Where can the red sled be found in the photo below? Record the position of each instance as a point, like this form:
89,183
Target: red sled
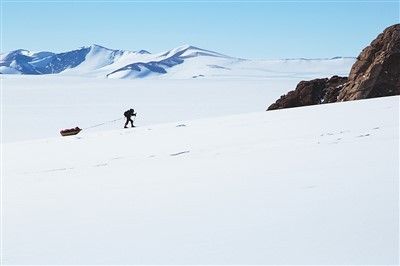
70,132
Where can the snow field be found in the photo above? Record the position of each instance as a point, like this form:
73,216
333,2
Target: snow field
312,185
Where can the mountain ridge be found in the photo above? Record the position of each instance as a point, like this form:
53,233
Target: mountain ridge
98,61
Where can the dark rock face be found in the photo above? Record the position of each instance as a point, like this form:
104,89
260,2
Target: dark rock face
311,92
333,88
376,72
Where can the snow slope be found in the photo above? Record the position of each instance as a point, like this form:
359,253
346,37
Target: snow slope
182,62
312,185
38,106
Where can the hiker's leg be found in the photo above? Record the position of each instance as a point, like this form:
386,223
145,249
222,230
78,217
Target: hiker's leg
131,122
127,121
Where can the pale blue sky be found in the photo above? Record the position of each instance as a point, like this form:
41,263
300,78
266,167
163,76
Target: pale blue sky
248,29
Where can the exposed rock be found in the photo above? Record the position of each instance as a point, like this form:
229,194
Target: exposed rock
311,92
376,72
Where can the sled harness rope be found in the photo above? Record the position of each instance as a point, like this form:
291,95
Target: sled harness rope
107,122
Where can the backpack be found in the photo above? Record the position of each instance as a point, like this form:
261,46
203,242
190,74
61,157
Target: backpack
129,113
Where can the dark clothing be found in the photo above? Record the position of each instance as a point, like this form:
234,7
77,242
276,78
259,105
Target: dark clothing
128,119
128,114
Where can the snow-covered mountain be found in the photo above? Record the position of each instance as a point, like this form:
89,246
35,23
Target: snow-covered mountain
99,60
26,62
181,62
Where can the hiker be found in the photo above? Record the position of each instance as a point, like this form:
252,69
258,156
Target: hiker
128,114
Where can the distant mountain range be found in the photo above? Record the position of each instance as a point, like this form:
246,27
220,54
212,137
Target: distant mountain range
182,62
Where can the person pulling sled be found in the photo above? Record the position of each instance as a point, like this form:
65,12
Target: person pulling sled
128,114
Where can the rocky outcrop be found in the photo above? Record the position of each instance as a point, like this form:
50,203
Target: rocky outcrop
376,73
311,92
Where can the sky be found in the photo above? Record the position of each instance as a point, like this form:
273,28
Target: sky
248,29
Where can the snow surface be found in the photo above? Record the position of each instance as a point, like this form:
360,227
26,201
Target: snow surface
98,57
9,70
312,185
207,177
38,106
